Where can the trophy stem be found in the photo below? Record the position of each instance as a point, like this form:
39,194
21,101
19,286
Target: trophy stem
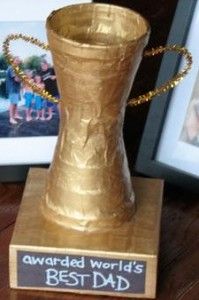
89,185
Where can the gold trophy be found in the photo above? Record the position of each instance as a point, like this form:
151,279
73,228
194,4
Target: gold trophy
84,225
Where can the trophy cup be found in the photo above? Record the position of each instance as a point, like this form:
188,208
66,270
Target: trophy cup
84,225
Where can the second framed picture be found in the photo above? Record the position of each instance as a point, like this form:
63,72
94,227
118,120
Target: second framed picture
170,144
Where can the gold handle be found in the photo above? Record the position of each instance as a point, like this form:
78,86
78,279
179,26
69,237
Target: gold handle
171,83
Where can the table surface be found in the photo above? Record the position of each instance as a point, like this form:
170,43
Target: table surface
178,271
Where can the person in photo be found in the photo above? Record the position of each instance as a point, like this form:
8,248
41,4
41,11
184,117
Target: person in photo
13,87
191,127
38,100
28,96
49,79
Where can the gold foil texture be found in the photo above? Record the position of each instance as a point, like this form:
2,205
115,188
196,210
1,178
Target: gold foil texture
96,50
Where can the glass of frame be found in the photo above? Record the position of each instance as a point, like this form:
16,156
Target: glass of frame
169,147
31,139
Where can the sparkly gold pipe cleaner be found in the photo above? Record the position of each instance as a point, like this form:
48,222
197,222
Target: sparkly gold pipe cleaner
171,83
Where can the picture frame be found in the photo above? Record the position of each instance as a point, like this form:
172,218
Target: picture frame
164,150
19,152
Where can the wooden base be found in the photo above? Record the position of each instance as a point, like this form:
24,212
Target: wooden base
121,262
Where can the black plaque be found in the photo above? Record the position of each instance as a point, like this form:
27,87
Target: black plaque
78,272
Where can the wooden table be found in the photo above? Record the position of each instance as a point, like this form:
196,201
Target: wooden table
178,275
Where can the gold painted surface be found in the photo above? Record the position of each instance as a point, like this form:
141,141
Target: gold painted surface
136,240
96,51
139,236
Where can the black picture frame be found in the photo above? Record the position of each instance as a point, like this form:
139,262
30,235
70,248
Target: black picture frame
146,163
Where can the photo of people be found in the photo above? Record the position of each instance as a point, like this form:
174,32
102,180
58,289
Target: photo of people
190,131
23,112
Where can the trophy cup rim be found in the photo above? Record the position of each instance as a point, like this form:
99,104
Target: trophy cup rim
75,43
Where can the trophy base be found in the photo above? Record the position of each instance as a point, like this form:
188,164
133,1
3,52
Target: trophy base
120,262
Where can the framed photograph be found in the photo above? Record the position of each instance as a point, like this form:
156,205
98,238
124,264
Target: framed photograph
169,147
28,124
